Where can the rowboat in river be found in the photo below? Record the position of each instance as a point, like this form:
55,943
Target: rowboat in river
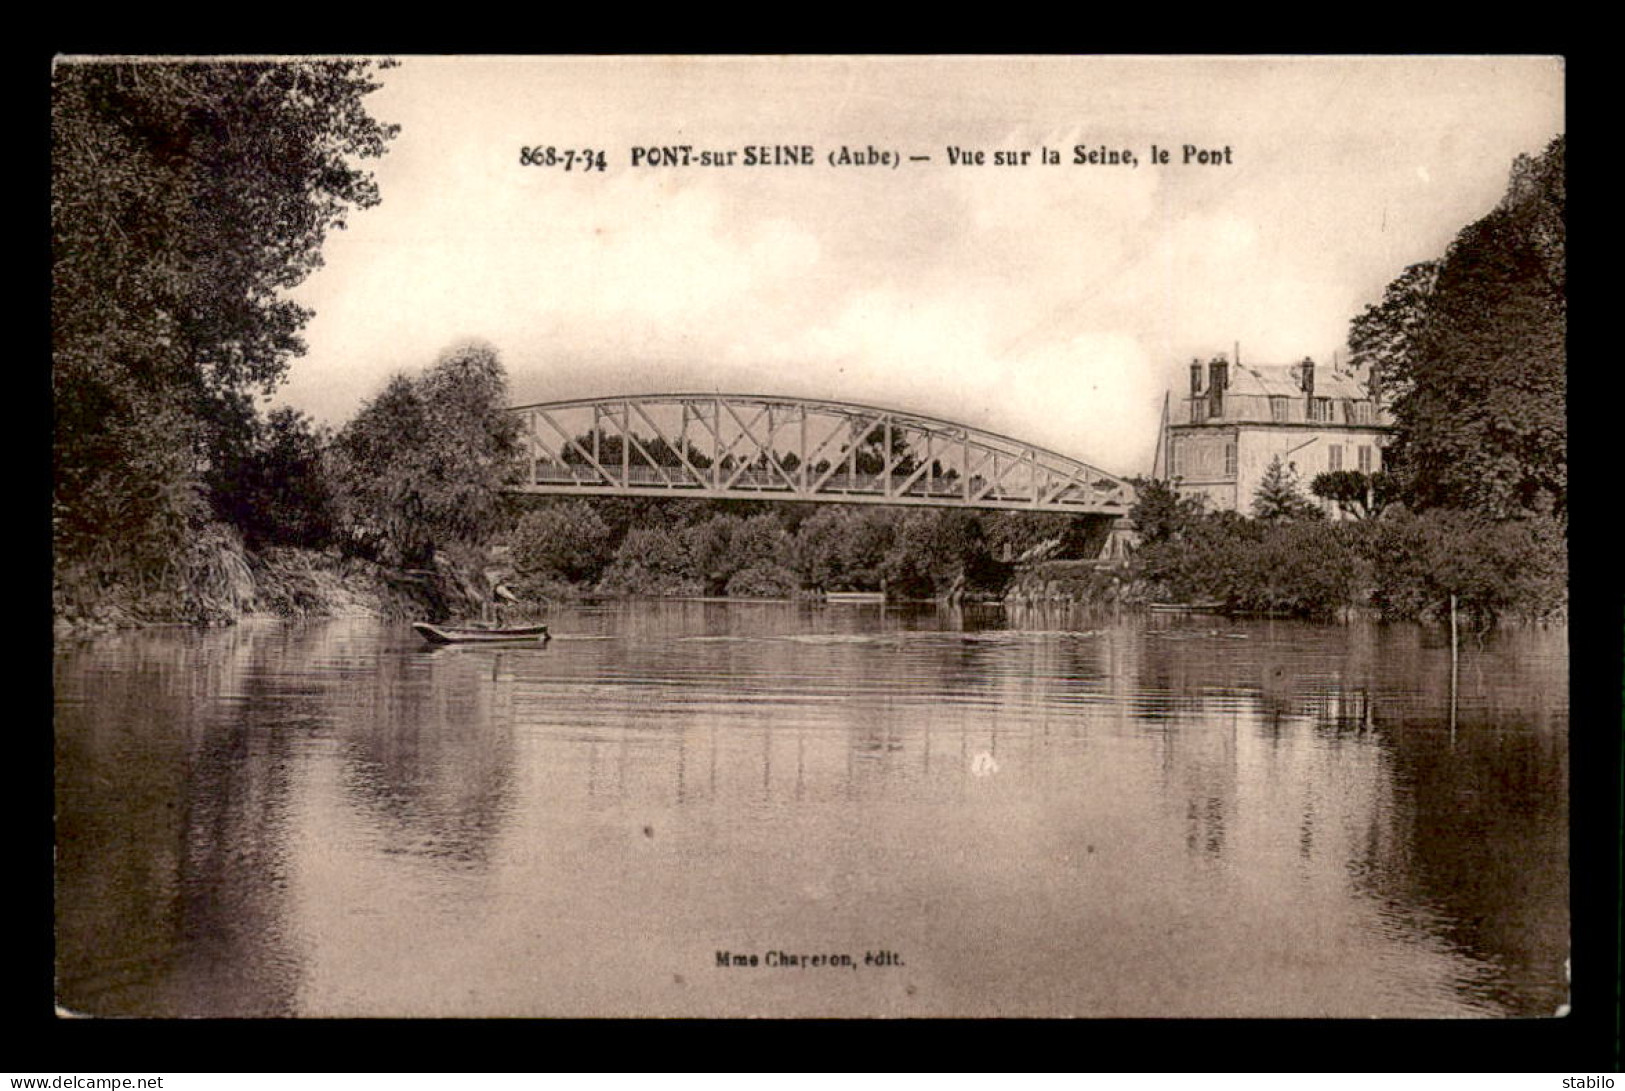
450,634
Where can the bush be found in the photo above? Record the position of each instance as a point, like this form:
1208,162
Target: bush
762,580
725,545
1494,569
941,553
841,548
1303,567
562,542
651,562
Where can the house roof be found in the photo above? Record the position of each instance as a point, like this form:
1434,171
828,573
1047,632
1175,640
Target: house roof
1281,381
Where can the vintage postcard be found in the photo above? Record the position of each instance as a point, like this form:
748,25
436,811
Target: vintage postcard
822,536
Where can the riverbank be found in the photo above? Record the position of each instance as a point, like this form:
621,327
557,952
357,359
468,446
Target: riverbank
222,583
219,582
1075,583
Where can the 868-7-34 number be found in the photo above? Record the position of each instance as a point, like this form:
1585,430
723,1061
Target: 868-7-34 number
568,158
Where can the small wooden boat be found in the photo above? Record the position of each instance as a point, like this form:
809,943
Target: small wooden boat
854,596
450,634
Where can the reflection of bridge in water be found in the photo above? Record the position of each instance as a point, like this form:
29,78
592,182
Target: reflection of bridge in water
754,447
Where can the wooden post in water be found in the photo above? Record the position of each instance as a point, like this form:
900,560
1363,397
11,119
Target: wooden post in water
1454,656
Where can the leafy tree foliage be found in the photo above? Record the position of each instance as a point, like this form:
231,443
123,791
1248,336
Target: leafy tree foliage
1160,512
424,464
1474,363
724,546
569,542
1385,339
1493,568
1404,565
870,455
1278,497
1299,568
274,485
1017,535
651,561
939,553
186,198
1361,495
138,518
642,451
841,548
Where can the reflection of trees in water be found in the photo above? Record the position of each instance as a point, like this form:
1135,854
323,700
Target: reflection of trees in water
1461,834
171,826
238,960
429,748
1483,821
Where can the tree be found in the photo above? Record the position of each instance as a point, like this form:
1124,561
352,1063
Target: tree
1475,367
1160,513
725,545
1491,568
1023,535
186,199
563,542
274,488
652,561
938,552
424,465
1361,495
870,456
1385,339
1278,498
840,548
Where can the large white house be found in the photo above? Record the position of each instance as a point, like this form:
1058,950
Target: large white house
1221,440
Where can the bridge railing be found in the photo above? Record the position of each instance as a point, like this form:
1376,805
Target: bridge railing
898,484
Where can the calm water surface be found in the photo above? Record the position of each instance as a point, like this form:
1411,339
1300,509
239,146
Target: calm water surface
1019,814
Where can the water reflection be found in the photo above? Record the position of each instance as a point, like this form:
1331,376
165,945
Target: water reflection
171,822
1046,813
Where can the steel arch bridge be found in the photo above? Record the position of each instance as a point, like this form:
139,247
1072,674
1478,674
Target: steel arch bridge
758,447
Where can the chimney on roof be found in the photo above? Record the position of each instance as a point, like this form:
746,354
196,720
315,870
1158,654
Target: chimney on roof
1218,378
1307,369
1196,377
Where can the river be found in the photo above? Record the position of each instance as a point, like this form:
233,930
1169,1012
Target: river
773,809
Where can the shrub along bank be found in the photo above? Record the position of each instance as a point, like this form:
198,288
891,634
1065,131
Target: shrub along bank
772,550
1402,566
220,581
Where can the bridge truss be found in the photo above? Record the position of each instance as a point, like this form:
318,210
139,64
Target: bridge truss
739,446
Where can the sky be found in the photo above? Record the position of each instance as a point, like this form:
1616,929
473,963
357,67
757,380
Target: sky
1056,303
